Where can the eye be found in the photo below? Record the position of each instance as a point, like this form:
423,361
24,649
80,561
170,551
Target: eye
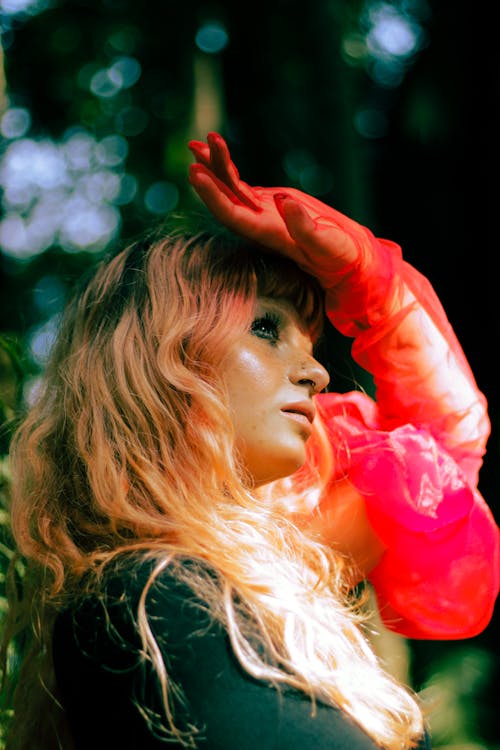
267,327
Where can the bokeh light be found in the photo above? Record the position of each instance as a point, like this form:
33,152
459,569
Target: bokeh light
42,338
15,122
161,197
211,38
63,193
123,73
18,7
389,38
302,167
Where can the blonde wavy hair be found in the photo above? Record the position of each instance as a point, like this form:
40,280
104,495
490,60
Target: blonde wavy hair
129,447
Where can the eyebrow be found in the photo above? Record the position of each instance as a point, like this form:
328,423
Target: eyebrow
283,306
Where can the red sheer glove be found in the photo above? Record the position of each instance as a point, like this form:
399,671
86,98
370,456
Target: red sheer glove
338,251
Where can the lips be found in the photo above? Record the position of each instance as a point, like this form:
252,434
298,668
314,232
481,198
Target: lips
302,408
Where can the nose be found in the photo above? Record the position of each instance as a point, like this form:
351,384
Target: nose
311,373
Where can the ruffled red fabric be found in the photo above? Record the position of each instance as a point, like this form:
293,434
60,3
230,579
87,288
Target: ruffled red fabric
414,452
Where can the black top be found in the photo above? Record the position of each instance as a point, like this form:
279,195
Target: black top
100,673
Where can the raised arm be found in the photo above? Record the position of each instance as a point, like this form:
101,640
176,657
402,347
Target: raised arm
402,335
406,467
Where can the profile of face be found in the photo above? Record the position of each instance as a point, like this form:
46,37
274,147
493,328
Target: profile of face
271,376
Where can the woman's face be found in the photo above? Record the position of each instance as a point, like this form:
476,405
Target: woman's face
271,376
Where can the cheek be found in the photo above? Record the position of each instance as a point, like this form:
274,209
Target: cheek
249,379
253,384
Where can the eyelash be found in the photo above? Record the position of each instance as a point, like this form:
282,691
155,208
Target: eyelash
272,324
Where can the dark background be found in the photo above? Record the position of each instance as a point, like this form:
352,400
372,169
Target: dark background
404,142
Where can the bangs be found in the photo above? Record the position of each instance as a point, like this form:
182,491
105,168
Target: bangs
278,277
226,266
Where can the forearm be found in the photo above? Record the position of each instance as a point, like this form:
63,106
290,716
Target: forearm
340,520
403,338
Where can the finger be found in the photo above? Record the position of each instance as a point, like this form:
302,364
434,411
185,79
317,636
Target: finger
326,247
225,169
209,186
222,165
317,209
263,225
200,151
293,212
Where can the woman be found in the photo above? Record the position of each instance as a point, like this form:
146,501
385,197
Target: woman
195,511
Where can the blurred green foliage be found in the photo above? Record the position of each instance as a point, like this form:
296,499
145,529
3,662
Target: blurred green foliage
360,102
12,375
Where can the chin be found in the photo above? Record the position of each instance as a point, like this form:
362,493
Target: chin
281,468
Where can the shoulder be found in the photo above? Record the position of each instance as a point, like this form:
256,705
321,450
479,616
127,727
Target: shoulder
105,623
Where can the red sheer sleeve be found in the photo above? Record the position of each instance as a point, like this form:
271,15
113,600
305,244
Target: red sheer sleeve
415,453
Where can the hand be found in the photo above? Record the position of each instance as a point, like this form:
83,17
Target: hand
321,240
